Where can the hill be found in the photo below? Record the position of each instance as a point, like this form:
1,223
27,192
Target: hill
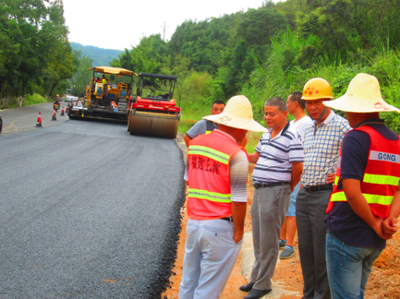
98,55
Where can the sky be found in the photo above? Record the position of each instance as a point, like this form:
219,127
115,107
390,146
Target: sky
120,24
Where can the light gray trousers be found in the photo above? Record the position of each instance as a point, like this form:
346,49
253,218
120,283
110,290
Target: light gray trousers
268,212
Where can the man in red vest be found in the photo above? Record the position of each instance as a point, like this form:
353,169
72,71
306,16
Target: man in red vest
365,202
216,173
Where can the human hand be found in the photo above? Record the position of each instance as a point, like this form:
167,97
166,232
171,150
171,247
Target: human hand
378,228
330,178
389,226
237,236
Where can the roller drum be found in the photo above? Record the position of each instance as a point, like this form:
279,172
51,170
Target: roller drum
153,126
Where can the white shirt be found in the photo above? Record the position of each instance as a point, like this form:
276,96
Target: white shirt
301,125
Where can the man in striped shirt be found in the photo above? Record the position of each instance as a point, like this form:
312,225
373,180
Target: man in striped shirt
279,157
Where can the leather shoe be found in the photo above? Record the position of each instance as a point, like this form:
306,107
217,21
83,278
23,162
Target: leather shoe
256,294
247,288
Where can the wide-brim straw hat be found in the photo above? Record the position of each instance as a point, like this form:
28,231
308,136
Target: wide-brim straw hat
362,96
237,114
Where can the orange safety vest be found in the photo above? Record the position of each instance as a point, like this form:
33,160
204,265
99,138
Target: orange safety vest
381,175
209,194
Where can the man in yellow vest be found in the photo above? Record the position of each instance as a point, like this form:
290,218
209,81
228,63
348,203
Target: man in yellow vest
365,202
216,173
105,87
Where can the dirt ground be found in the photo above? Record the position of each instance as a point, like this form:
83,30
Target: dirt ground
384,281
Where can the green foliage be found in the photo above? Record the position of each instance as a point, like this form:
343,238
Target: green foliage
34,99
34,48
82,75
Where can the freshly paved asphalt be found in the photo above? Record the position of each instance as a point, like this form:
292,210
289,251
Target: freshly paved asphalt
87,211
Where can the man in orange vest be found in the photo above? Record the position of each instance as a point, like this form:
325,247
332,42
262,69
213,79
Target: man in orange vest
216,173
365,202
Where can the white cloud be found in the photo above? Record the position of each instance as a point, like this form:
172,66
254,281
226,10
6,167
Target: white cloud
118,24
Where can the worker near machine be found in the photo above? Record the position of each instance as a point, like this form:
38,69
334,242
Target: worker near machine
365,202
279,162
322,141
295,107
105,88
216,173
204,126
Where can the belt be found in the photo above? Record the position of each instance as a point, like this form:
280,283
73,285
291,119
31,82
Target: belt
318,188
230,219
266,185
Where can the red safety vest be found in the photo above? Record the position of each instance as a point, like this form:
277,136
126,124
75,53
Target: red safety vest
381,175
209,194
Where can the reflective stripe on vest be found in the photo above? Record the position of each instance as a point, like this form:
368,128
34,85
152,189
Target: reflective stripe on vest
208,132
381,176
208,176
210,153
381,179
212,196
370,198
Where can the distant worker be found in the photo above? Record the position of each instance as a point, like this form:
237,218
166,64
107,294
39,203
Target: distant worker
322,141
92,83
365,202
217,174
295,107
104,81
204,126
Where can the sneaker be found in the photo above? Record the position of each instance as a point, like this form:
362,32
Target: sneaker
286,253
282,243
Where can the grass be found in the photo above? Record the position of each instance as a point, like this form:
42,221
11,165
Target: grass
29,100
34,99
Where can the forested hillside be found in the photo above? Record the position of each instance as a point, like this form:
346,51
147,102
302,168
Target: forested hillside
276,49
98,55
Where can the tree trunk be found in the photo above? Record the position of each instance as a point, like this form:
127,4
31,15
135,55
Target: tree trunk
52,88
24,84
2,98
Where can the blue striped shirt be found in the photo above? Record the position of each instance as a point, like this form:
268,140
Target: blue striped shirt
277,155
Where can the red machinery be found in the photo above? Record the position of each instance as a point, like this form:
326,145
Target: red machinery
156,113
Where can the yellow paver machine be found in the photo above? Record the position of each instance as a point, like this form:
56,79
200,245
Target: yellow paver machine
105,100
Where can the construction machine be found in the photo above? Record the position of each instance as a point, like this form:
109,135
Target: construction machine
104,100
153,111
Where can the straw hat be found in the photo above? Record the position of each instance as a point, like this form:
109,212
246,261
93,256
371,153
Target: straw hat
237,114
362,96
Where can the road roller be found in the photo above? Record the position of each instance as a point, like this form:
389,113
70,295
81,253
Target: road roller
153,111
105,100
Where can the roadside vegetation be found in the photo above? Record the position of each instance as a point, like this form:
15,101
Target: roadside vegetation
275,50
264,52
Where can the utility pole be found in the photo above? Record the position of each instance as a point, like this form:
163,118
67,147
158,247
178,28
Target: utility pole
165,25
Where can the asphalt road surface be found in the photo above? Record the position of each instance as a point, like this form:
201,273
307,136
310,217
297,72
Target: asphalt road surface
24,119
88,211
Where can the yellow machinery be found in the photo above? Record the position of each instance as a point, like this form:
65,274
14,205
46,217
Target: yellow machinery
105,101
